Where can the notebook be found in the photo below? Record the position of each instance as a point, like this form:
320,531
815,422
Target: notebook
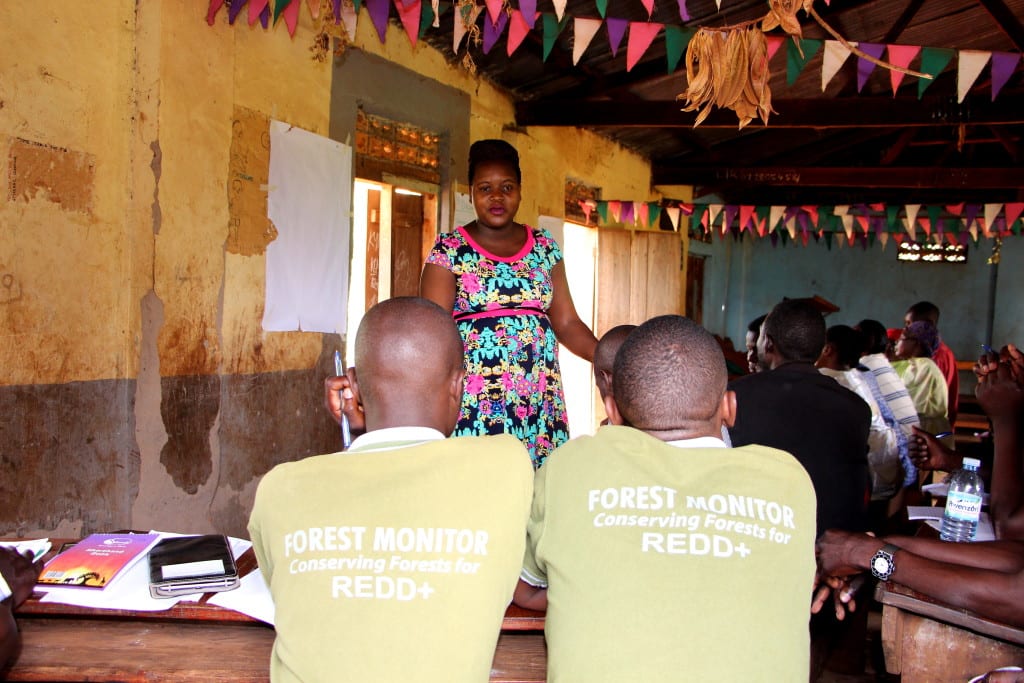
191,564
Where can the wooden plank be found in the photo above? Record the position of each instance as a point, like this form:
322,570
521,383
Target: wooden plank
520,658
904,598
613,263
821,176
664,255
638,264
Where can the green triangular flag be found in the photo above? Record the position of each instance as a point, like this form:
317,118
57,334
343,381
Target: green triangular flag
826,219
871,238
794,62
783,236
602,7
279,6
933,61
602,207
552,27
676,40
934,213
653,214
1016,226
427,16
892,218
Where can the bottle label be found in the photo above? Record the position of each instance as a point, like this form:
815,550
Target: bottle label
963,506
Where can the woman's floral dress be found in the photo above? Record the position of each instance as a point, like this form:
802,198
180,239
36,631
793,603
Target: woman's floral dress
513,384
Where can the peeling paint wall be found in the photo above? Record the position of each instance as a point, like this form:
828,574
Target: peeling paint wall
137,386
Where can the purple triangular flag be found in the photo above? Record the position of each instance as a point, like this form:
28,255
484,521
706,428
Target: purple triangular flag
1003,66
337,11
233,9
616,32
627,213
493,31
265,16
684,14
864,67
730,215
529,11
971,214
378,10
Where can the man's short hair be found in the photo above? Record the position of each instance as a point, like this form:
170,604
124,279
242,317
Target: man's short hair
876,338
925,310
797,330
668,373
608,346
848,344
755,324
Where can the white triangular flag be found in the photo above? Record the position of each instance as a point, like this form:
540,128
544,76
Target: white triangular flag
349,18
559,8
713,211
848,226
461,27
884,239
969,66
791,227
833,58
912,210
991,213
672,211
841,209
774,215
584,31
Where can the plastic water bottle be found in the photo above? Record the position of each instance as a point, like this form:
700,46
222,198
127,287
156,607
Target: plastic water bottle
963,504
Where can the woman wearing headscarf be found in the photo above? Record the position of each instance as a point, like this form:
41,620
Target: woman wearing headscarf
922,376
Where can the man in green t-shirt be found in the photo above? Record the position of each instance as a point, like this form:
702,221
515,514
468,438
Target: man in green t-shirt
396,559
661,554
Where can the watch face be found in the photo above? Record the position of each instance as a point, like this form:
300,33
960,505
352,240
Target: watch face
880,564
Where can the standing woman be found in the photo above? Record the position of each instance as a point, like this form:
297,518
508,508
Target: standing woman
506,287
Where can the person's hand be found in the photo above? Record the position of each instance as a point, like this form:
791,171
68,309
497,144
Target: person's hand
928,453
1000,388
339,399
842,589
842,553
20,573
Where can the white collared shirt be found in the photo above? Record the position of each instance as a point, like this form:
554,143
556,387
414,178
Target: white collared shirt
699,442
385,439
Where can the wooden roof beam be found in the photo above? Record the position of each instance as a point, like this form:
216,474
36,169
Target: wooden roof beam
1006,21
928,177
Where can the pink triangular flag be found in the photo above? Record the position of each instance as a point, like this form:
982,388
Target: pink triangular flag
211,11
378,10
833,58
559,9
255,7
585,205
643,213
409,13
615,210
812,211
673,216
969,66
616,31
291,17
863,220
314,8
774,43
1013,211
584,31
641,35
530,13
901,56
991,212
493,31
1003,66
746,211
649,6
684,13
461,26
518,27
493,9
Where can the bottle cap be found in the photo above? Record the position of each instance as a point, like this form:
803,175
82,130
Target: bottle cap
973,463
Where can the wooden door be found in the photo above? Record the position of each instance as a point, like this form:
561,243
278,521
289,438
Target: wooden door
638,277
695,288
406,243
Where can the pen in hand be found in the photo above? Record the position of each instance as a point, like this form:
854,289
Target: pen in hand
346,433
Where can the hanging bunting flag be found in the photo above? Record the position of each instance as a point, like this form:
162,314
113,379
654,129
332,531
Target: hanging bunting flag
901,56
812,211
291,16
933,61
643,217
676,40
584,31
714,210
529,11
884,239
587,206
653,214
791,227
465,17
552,27
877,206
649,6
278,7
435,6
684,13
841,209
602,7
761,218
832,59
211,11
378,10
1013,211
730,215
493,31
912,210
518,28
774,217
559,8
616,31
615,209
432,18
865,67
974,233
892,217
314,8
347,14
409,13
774,43
935,219
1003,66
602,211
234,7
847,221
795,62
265,17
969,66
673,217
746,212
718,4
991,211
955,209
493,9
336,6
641,35
626,212
256,7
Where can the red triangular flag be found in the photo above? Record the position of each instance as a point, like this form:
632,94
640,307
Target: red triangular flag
493,10
649,4
641,35
901,56
518,27
409,13
1013,211
255,7
211,11
774,43
291,16
746,212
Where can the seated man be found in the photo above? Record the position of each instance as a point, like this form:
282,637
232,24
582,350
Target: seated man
396,559
604,356
657,550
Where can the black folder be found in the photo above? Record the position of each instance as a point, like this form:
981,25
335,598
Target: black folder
191,564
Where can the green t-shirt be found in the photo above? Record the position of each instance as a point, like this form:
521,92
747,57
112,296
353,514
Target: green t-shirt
393,565
668,564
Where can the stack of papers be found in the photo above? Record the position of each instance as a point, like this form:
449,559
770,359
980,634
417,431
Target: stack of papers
941,490
932,516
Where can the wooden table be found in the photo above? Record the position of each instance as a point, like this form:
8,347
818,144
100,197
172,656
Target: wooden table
927,641
200,642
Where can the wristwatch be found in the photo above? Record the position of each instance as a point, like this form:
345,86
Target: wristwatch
882,563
